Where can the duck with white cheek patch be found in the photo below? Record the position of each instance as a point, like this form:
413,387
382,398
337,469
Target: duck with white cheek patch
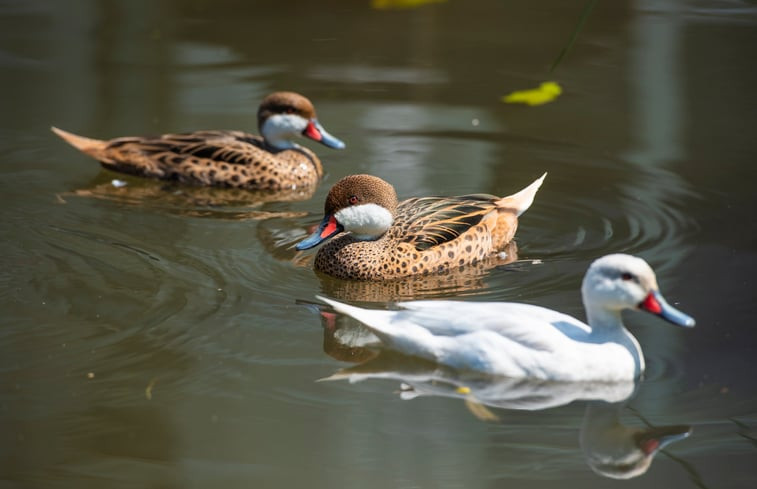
271,161
375,237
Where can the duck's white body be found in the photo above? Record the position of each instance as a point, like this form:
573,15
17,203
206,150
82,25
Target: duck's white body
513,340
526,341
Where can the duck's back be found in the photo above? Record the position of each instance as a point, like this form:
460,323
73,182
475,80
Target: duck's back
523,340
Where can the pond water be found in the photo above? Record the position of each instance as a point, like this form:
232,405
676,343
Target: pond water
163,336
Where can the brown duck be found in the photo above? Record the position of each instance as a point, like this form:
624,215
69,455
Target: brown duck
383,239
225,158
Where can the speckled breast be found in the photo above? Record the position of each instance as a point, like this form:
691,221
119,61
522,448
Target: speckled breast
386,258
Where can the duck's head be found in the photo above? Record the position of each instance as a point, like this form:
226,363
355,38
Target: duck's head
618,281
361,204
284,116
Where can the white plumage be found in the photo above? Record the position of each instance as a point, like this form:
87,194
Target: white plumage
526,341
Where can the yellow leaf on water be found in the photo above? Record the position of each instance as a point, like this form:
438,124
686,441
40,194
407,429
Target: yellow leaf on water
547,92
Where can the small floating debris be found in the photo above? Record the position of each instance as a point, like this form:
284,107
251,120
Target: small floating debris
118,183
545,93
148,389
479,410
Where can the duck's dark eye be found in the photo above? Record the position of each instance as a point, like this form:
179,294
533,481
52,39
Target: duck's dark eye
289,110
354,200
627,276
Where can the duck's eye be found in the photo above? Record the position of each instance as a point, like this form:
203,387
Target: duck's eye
289,110
354,200
627,276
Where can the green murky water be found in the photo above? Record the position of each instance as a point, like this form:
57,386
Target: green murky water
157,336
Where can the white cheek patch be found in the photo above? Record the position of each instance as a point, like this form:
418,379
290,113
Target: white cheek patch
280,129
366,221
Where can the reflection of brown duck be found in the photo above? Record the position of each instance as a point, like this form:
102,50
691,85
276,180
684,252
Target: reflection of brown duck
385,239
224,158
346,343
191,201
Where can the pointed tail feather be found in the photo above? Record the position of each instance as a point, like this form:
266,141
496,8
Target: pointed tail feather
92,147
521,201
368,317
352,311
402,336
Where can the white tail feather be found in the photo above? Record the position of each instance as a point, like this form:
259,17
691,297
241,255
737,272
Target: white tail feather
521,201
393,331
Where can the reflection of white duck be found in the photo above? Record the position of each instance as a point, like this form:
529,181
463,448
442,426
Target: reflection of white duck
618,451
421,378
526,341
610,448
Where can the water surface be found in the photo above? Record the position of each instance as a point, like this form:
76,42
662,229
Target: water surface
161,336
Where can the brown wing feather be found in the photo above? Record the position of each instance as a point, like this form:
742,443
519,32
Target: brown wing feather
218,158
431,221
233,147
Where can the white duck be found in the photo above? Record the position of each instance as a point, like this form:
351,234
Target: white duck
526,341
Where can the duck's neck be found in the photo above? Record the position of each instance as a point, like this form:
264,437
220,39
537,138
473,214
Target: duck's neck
603,320
607,325
282,144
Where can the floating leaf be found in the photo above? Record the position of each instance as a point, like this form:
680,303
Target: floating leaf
547,92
